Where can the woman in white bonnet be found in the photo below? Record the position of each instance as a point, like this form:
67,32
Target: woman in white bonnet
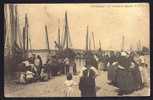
143,70
124,77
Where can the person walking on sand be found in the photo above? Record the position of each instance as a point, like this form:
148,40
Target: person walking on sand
69,86
67,65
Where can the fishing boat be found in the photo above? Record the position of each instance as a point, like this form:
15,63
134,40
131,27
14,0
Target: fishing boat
64,50
16,42
64,44
89,56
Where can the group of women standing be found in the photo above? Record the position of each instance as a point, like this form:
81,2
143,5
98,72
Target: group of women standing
128,73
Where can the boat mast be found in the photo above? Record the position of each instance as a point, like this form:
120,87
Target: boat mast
30,43
123,40
131,49
99,45
137,46
6,26
14,29
140,45
24,39
18,31
89,43
66,30
5,23
27,31
93,40
59,41
87,36
47,41
12,24
15,22
7,41
67,39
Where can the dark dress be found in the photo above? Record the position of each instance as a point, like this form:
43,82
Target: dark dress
40,66
126,77
87,84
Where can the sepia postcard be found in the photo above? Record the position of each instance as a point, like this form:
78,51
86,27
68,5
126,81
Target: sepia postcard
77,50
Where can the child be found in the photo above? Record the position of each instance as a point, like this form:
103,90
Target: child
22,78
69,86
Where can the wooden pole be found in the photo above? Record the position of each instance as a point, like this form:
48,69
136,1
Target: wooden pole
89,44
93,40
67,38
123,40
100,44
47,41
140,48
66,30
27,31
24,36
59,37
87,37
12,27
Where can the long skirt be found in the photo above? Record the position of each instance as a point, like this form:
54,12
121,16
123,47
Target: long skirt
112,73
137,77
69,92
101,66
125,80
144,74
88,93
66,69
71,70
109,73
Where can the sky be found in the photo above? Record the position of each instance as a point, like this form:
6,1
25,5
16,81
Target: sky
108,22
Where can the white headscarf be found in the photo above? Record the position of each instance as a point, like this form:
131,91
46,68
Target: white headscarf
26,63
30,55
123,53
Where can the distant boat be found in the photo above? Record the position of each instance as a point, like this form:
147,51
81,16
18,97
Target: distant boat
64,44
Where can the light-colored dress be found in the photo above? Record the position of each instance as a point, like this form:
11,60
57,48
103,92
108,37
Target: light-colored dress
69,88
37,62
143,70
71,69
29,75
22,78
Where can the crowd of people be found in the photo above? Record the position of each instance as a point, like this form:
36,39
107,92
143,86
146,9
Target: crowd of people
32,69
127,71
